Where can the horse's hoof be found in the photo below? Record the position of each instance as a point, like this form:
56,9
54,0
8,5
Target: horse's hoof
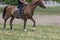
25,30
12,29
33,29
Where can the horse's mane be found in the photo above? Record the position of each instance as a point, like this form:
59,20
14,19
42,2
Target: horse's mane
31,3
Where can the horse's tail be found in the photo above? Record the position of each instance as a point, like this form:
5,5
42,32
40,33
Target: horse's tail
4,12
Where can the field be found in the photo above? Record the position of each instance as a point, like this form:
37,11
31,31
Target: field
1,9
47,11
42,32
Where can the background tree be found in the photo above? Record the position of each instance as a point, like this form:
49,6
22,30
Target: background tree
13,2
57,0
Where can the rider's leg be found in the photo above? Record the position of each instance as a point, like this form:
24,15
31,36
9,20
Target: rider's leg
21,11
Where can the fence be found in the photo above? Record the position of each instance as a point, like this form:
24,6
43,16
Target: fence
51,3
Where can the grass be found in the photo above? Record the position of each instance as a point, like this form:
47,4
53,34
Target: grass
41,33
1,9
48,11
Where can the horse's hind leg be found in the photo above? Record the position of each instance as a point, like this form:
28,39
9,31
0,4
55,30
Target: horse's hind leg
12,18
5,22
33,24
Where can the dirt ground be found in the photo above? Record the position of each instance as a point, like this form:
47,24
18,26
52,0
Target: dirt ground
40,20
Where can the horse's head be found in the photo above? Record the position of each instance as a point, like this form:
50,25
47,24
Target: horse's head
41,4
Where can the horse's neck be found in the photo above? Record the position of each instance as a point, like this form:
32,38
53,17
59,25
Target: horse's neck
34,5
30,7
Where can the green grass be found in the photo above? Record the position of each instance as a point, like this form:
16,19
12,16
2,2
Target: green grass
41,33
1,9
48,11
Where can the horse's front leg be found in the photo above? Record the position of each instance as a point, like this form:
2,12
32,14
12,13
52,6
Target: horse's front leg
25,20
11,22
33,24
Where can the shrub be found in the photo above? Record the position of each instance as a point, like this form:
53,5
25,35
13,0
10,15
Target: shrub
13,2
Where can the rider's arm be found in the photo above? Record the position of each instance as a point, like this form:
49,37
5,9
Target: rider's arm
23,1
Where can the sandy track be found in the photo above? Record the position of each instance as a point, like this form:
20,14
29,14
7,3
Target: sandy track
40,20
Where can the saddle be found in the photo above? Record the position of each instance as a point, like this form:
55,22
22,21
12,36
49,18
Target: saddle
19,13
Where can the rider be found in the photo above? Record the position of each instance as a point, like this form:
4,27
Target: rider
20,6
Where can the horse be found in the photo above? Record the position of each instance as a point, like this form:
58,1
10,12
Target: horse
28,12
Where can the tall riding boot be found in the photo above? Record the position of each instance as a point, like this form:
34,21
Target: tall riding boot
20,14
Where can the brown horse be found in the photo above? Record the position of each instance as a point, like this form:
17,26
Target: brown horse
27,14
